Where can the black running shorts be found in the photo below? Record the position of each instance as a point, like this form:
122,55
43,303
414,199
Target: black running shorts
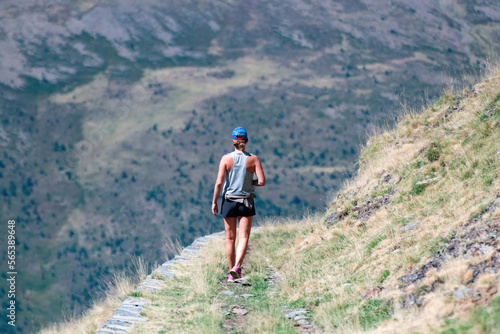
235,209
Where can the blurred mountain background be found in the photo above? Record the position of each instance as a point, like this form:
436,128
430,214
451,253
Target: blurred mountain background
114,115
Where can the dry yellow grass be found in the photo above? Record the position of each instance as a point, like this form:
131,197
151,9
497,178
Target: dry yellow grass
345,259
111,297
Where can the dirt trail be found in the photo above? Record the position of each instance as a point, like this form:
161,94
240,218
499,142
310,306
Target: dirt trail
236,313
235,322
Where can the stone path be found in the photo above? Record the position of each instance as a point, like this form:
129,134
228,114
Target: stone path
236,320
125,316
129,312
298,316
301,321
236,313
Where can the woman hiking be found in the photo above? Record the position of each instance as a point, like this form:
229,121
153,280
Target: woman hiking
237,169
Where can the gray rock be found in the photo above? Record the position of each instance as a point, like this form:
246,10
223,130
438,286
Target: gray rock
180,258
300,317
292,313
421,168
490,270
135,301
202,240
150,284
111,331
239,280
246,295
192,249
459,294
126,313
118,323
165,272
227,293
411,226
239,310
227,327
304,323
435,179
331,218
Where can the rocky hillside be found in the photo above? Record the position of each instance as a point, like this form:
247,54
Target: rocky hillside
114,115
410,245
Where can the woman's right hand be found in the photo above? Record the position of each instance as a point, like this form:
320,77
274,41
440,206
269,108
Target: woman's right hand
215,209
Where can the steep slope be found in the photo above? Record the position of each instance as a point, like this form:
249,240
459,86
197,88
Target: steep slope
411,244
114,114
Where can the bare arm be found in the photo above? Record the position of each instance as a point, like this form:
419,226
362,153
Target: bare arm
218,185
261,178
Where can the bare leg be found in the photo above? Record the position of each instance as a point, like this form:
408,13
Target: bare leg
243,236
230,226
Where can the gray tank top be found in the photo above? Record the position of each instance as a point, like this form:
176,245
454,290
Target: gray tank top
239,181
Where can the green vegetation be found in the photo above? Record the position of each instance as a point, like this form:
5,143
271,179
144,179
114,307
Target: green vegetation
384,276
374,243
374,312
481,320
382,192
432,152
417,189
136,294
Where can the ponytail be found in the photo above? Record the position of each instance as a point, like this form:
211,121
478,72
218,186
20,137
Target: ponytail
239,144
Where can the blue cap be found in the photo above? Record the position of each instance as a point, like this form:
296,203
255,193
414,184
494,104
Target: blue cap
239,133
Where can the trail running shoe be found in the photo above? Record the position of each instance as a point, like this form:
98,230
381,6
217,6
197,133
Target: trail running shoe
235,272
230,278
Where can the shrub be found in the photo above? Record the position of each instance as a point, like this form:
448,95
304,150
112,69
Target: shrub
432,152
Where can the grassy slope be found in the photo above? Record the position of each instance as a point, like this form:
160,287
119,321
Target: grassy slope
460,149
75,216
328,262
